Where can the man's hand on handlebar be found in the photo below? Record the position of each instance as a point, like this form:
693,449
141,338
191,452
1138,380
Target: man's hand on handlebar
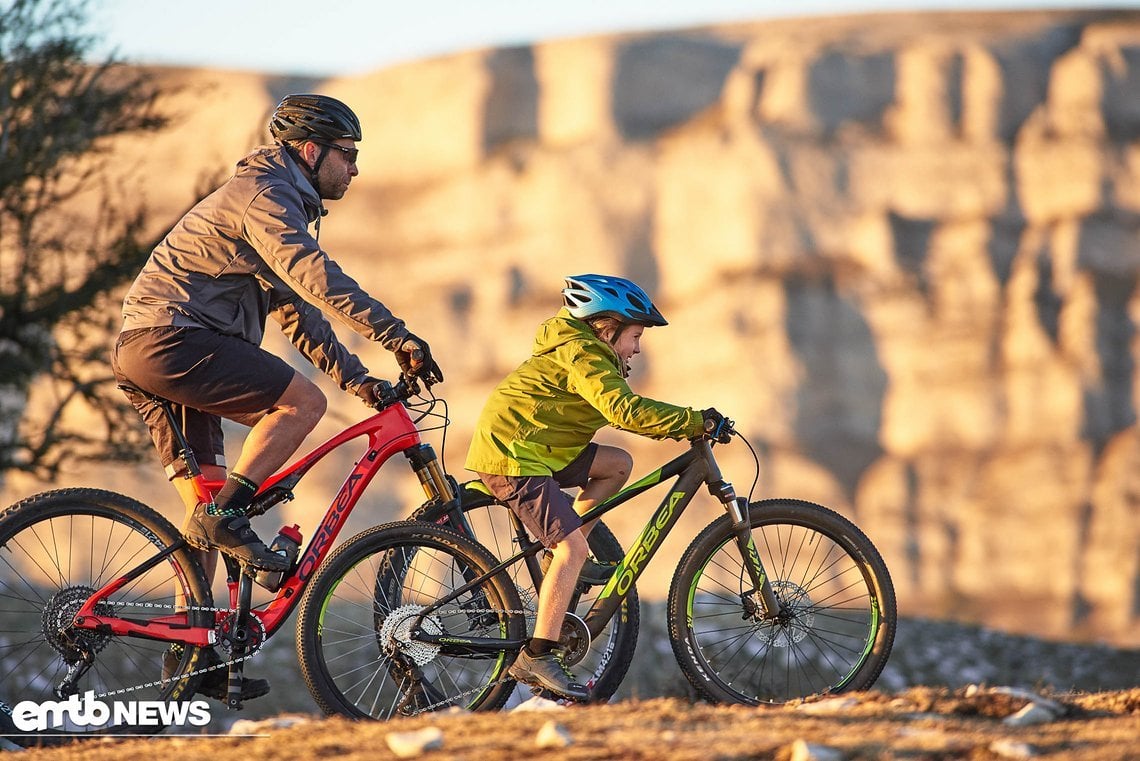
415,360
717,426
380,393
369,391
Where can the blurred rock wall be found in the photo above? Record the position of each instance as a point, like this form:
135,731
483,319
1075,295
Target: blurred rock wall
901,251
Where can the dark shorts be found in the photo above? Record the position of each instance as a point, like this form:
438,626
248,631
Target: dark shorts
539,502
207,375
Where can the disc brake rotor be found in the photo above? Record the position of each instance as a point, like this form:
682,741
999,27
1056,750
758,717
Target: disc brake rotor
796,618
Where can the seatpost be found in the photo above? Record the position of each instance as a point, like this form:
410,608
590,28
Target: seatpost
205,490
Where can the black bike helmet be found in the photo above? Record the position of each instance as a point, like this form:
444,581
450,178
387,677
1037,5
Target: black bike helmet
305,116
608,296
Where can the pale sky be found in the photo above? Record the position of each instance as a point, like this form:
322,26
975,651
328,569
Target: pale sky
346,37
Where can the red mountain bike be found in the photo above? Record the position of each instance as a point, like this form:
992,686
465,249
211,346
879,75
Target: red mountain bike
101,597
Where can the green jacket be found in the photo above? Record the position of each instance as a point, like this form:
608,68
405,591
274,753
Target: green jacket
541,416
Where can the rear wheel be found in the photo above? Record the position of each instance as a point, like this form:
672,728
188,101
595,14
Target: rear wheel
56,550
355,630
605,659
837,618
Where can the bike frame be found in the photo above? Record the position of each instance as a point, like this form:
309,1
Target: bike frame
691,469
390,431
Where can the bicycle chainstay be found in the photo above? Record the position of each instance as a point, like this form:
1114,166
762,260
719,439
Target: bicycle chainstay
452,699
187,608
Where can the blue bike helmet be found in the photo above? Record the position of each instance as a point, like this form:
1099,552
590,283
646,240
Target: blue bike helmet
588,296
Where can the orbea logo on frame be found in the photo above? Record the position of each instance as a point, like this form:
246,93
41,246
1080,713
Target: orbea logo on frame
73,713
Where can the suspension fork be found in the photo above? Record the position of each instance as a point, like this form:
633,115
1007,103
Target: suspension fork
436,484
737,509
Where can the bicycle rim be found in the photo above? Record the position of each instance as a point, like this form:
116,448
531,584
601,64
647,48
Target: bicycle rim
56,549
838,607
358,653
603,661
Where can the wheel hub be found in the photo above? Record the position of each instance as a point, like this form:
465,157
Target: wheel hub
796,617
59,614
396,634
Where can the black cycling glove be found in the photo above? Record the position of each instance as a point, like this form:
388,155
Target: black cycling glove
369,391
717,426
415,360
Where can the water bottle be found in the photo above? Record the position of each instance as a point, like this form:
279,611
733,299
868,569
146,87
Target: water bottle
288,544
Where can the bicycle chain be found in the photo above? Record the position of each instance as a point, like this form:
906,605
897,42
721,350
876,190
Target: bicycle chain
452,700
196,672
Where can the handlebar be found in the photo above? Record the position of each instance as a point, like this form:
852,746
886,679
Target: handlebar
388,395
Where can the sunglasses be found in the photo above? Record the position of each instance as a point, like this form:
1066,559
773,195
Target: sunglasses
350,154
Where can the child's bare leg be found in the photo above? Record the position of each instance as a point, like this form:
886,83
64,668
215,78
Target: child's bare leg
558,585
608,473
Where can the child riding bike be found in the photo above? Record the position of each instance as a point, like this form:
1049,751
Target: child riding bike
533,439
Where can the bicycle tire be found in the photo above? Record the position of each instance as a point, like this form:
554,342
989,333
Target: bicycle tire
609,655
56,549
352,629
839,604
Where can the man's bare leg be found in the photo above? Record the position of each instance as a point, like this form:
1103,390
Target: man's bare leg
276,436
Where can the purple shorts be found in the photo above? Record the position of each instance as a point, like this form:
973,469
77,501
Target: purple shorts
539,502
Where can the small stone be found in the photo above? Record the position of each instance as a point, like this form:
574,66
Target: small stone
553,735
1032,713
829,706
1032,697
972,690
415,742
265,726
802,750
538,703
1012,749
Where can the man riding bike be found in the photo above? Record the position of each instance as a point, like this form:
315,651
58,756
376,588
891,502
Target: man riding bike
195,317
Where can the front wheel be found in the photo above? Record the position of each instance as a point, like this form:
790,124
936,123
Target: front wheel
837,612
356,628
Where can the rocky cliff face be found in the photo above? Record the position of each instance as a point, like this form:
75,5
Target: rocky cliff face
901,251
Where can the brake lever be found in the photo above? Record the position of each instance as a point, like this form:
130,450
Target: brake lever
722,433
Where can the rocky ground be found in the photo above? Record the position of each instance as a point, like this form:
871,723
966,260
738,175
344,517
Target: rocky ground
950,691
918,723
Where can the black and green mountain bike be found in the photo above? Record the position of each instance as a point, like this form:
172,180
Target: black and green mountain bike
775,600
